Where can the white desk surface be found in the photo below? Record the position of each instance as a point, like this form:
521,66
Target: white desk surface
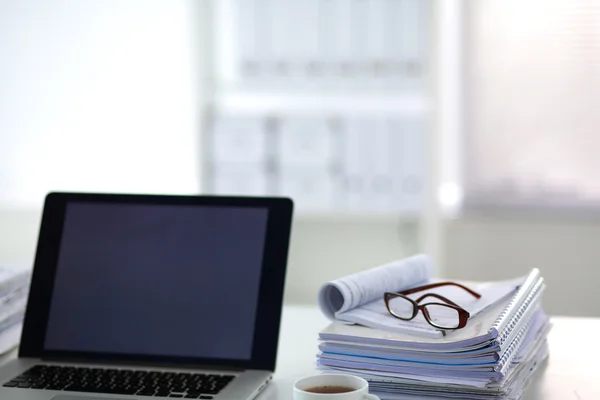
569,373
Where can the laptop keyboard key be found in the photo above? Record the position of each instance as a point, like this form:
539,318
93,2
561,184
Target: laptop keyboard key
38,386
54,387
162,393
115,381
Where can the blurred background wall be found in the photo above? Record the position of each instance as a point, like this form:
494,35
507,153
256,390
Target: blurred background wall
462,129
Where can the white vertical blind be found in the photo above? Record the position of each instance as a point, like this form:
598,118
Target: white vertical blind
533,103
97,96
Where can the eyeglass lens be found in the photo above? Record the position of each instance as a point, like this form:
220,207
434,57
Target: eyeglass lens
401,307
443,316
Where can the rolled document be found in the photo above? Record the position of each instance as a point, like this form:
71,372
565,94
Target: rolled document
355,290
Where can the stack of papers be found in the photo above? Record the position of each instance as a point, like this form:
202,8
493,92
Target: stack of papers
14,289
493,357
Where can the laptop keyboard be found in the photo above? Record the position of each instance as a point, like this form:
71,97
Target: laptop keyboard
121,381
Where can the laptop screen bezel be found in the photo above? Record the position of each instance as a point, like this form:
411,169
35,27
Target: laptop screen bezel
270,298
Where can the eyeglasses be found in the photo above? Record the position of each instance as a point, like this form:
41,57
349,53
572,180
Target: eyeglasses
446,315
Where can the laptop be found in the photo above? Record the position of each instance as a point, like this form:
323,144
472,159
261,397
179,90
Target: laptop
152,296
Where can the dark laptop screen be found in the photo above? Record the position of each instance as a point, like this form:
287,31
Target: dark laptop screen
158,280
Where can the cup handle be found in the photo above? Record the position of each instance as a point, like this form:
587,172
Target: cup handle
370,397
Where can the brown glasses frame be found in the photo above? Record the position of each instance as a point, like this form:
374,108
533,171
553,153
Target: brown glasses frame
463,315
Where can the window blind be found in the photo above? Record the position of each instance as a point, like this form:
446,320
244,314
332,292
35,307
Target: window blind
532,103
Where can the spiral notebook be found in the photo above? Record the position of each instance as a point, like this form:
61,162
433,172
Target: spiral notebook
483,367
538,325
496,328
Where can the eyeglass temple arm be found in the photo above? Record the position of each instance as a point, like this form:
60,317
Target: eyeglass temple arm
439,284
437,296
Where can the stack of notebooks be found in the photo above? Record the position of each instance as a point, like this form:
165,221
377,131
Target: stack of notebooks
14,289
492,357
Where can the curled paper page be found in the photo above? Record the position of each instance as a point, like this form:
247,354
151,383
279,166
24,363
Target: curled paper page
352,291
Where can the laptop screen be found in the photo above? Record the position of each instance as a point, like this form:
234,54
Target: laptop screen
159,280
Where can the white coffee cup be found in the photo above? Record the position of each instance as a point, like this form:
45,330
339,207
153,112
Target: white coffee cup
360,386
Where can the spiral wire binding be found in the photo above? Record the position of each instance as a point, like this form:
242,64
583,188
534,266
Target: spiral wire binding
508,310
512,350
524,311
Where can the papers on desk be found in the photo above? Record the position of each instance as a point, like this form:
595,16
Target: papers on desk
358,298
9,338
12,279
14,290
493,357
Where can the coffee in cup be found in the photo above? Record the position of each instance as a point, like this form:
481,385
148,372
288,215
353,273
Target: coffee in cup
329,389
334,386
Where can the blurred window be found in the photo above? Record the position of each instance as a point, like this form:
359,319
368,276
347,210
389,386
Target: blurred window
532,103
97,96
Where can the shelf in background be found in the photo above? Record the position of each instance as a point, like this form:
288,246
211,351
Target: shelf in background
320,103
357,216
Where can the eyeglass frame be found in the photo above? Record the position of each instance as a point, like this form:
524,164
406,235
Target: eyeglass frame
463,315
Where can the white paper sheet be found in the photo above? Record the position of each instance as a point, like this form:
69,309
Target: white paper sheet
472,357
12,278
9,339
358,298
376,315
382,376
364,287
